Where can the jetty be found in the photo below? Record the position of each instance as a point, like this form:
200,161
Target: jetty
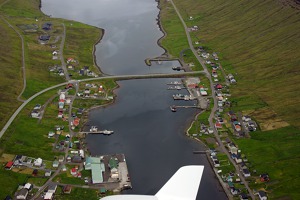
104,132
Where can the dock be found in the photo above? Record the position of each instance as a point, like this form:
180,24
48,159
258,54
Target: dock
187,106
104,132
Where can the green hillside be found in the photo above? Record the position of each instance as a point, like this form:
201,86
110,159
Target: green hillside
258,40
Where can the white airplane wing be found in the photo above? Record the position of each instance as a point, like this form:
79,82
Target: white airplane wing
183,185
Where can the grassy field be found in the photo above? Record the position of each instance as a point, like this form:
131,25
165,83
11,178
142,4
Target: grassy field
38,57
277,153
10,76
258,40
79,193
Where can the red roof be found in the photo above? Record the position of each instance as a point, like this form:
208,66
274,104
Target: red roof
76,121
73,170
218,125
9,164
219,86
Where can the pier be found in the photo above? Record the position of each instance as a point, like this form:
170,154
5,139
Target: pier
104,132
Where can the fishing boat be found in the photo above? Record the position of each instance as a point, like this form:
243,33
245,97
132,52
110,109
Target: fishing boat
173,108
106,132
93,129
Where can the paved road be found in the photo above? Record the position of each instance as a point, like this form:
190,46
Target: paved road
119,77
215,102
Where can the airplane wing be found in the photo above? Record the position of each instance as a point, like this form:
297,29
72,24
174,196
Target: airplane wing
183,185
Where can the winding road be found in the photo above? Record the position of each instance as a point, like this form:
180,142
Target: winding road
212,114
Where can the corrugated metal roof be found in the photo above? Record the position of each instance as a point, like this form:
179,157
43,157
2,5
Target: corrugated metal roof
96,173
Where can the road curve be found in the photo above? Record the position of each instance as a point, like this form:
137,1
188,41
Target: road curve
119,77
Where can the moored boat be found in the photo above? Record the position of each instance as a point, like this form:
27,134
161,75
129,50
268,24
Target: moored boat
173,108
106,132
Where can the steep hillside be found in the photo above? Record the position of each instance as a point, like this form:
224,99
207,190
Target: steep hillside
258,40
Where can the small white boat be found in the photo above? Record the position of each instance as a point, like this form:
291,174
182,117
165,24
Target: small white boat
173,108
106,132
94,129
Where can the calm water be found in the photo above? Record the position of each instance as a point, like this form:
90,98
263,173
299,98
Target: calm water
146,131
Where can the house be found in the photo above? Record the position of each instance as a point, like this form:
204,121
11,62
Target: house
62,96
64,168
68,158
262,195
218,86
51,134
44,37
55,164
69,86
35,172
216,163
76,159
80,111
38,162
238,158
37,107
48,196
73,171
22,194
9,165
87,91
61,158
48,173
55,53
52,187
28,186
232,148
67,189
230,184
246,173
68,101
234,191
237,128
264,177
229,178
76,121
243,196
60,114
97,167
69,60
218,125
35,114
47,26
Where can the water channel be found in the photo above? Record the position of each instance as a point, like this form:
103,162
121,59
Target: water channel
146,131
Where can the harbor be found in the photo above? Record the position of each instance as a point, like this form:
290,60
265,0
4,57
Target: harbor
148,133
